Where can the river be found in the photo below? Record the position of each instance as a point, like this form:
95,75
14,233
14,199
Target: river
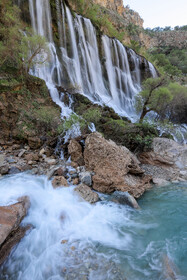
72,239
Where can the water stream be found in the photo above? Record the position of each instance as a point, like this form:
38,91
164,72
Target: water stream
72,239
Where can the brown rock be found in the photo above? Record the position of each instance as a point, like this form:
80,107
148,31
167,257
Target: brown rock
75,151
75,181
34,142
25,167
61,171
74,164
15,238
10,219
57,171
115,167
59,181
4,169
32,157
86,193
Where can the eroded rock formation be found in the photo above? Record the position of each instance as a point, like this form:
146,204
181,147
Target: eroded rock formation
115,167
166,161
117,6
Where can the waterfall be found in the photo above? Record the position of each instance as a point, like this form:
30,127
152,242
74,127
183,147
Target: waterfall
152,70
98,68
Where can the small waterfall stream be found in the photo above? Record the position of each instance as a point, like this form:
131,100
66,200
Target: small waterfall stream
98,68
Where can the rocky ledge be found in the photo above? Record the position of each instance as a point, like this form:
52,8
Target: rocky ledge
166,162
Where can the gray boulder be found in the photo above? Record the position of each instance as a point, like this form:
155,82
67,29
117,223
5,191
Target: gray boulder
86,178
124,198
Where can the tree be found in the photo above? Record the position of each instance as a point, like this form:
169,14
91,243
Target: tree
155,96
177,109
17,48
33,50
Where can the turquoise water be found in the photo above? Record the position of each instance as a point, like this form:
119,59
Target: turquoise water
105,241
159,234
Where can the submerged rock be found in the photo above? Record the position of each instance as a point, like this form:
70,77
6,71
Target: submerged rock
169,268
86,193
115,167
124,198
10,219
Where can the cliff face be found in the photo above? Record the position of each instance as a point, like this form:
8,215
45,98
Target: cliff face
127,23
176,39
117,6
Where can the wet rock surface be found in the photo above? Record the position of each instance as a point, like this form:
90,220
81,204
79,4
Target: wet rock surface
115,167
124,198
86,178
10,230
59,181
94,266
86,193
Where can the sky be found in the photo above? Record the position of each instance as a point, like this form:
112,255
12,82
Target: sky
160,12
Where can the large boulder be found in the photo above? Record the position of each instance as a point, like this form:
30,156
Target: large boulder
10,230
115,167
167,160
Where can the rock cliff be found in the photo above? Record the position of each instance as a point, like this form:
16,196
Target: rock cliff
176,39
117,6
127,23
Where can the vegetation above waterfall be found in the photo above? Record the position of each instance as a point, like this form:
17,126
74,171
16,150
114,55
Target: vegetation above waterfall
19,52
109,22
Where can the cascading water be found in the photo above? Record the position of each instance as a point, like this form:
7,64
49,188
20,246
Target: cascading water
51,72
103,76
152,70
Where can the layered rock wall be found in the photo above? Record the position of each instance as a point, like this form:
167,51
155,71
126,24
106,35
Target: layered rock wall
176,39
117,6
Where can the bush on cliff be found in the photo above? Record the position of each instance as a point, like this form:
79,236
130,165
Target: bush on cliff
16,49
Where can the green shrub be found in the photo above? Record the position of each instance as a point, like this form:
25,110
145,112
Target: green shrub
73,120
92,115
